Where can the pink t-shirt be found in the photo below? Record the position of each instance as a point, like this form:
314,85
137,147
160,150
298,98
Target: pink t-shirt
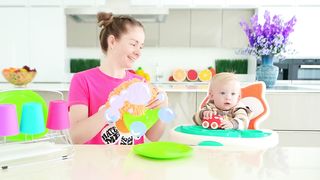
92,88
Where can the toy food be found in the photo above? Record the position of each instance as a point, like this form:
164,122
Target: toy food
142,73
179,75
192,75
213,71
205,75
170,78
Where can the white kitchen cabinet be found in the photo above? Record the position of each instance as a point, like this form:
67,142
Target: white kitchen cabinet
14,45
172,3
183,105
299,138
152,34
79,2
45,2
175,31
206,29
82,34
293,111
47,43
13,2
232,34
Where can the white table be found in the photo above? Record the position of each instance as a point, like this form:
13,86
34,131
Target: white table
119,162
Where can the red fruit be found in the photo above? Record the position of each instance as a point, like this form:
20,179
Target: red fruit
132,71
171,78
192,75
213,71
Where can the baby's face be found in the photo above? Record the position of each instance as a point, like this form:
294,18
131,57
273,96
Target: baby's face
226,94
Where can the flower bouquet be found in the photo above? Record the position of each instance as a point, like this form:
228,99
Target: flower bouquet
266,41
271,38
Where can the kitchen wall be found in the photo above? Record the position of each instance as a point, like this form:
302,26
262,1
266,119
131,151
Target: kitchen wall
39,34
189,39
169,58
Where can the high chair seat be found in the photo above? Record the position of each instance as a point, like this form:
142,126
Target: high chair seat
252,96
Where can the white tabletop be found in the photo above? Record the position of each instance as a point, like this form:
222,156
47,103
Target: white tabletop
119,162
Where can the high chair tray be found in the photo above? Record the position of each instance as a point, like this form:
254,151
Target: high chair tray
196,135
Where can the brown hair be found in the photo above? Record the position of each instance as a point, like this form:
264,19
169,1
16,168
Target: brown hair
114,25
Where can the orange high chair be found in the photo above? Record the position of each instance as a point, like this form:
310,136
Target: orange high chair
252,96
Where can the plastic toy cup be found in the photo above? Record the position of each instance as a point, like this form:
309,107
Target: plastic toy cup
8,120
32,120
58,118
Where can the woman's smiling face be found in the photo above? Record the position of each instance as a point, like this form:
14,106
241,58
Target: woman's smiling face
128,47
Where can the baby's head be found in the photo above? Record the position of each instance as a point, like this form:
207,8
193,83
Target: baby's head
225,90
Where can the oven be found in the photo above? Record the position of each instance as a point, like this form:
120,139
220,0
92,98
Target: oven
299,69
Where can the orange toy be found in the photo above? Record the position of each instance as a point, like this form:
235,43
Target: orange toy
135,109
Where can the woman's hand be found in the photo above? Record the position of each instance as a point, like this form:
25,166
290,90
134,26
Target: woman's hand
160,101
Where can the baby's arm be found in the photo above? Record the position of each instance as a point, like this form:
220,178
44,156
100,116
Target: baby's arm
204,113
242,118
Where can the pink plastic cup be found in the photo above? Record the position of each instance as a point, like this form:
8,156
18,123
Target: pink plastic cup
58,118
8,120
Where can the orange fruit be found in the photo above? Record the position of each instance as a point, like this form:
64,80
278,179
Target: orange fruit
205,75
179,75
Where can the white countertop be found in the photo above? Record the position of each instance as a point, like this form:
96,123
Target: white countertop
281,86
119,162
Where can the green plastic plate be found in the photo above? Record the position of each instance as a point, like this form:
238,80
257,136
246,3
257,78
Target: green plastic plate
163,150
19,97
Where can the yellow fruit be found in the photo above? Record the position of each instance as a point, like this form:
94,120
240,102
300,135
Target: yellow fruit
140,72
147,77
205,75
179,75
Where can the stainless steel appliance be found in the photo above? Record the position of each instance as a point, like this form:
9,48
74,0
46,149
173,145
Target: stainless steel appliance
299,69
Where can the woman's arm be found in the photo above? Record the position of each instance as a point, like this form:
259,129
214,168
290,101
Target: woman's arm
157,130
82,127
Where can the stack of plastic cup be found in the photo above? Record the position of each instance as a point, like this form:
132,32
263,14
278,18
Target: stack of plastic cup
58,122
32,119
8,121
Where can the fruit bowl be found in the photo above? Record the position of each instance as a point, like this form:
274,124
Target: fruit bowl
19,76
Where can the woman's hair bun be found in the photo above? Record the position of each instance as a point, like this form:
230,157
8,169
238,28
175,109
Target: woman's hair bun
104,19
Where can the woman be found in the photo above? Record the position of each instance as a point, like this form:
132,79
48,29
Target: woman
121,40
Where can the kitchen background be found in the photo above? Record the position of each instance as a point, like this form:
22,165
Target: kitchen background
46,34
189,34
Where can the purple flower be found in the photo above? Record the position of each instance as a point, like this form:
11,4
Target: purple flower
269,38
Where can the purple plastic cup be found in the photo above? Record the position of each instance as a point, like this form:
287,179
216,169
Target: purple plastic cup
8,120
58,117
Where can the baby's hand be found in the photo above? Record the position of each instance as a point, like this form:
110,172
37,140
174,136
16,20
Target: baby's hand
208,114
226,124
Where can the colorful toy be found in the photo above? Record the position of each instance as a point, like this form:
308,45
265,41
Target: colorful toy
126,107
253,96
212,123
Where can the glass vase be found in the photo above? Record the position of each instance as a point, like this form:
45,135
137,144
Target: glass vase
267,72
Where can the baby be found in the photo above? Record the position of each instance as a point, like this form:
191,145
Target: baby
224,95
